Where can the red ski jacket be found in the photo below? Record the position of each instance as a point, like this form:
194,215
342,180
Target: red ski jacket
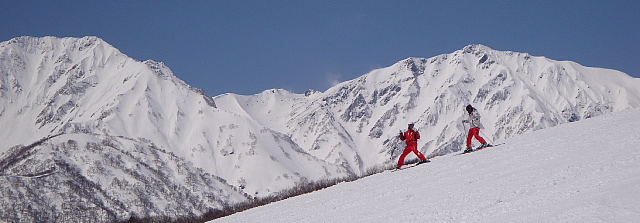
411,136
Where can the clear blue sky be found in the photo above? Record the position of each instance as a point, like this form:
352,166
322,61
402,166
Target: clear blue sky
246,47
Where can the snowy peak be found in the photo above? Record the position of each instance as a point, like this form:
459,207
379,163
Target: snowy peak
82,108
476,49
39,44
488,56
480,51
515,93
155,131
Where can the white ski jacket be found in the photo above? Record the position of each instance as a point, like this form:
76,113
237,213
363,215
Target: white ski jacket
474,119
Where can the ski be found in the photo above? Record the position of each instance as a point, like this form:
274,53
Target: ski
409,166
479,148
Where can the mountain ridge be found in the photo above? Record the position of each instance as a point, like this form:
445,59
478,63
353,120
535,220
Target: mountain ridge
137,119
128,122
475,74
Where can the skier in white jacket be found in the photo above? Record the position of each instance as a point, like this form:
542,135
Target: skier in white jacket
474,130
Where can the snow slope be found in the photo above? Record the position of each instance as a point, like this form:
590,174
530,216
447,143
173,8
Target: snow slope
587,171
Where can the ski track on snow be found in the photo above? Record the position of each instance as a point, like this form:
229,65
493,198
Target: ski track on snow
587,171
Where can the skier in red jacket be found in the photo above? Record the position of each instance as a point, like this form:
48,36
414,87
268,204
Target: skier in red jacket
411,138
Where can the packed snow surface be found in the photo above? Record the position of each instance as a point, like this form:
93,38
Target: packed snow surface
587,171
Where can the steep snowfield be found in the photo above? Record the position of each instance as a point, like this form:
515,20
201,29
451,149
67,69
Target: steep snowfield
587,171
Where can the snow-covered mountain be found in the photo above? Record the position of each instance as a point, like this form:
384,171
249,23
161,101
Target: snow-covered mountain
85,127
355,123
127,138
587,171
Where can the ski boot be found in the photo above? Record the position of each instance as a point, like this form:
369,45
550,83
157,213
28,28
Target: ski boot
484,145
468,150
423,161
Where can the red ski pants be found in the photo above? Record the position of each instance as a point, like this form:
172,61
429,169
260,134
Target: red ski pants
474,132
411,147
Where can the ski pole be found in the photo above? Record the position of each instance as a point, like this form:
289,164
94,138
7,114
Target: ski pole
488,139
